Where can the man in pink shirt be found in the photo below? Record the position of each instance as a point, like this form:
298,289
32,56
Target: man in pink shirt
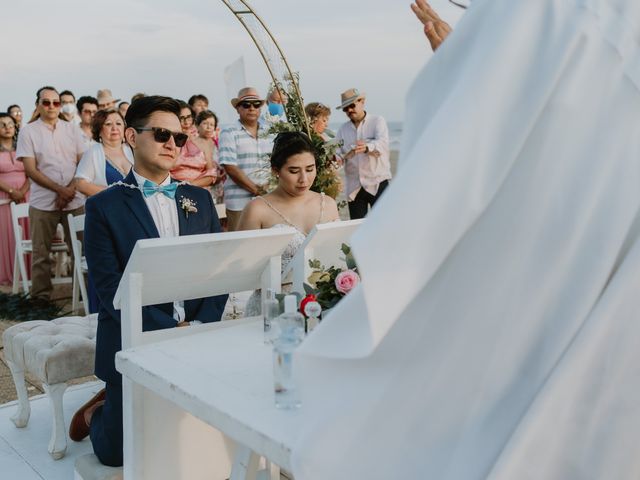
50,149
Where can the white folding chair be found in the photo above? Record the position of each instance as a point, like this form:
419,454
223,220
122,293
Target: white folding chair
25,247
221,210
76,224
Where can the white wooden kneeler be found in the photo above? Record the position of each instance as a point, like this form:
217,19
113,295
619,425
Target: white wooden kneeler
323,243
200,266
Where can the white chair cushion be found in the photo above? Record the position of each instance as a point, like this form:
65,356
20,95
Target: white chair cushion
54,351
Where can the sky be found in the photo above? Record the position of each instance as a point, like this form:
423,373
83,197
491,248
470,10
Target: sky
181,48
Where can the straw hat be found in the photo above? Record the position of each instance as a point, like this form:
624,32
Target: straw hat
105,96
350,96
246,93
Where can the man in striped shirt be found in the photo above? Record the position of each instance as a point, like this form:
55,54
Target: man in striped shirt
244,153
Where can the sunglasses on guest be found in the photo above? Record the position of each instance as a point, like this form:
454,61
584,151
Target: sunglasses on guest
254,104
350,106
48,103
162,135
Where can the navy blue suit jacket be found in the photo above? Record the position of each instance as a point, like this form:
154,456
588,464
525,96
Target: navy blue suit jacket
116,219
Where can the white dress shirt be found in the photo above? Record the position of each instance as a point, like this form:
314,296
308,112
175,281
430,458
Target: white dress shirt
164,212
365,170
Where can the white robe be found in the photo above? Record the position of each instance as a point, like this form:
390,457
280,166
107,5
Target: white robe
495,334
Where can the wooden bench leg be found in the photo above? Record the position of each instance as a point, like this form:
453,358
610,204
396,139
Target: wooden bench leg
245,464
21,417
58,442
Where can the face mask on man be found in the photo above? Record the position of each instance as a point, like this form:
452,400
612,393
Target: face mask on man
69,108
276,109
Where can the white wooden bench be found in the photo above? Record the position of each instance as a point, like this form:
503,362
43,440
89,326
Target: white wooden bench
201,265
323,243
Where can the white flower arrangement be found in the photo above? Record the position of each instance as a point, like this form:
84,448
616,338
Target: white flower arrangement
188,205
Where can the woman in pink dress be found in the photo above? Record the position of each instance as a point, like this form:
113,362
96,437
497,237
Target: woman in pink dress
14,187
194,164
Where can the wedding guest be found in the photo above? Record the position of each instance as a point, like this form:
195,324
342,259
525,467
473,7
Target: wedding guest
244,154
69,110
123,107
195,162
318,115
365,153
14,187
16,113
109,160
274,113
198,103
148,205
207,125
106,99
87,106
49,149
187,119
292,203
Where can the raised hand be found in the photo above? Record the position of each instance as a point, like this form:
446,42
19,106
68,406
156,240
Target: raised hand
435,28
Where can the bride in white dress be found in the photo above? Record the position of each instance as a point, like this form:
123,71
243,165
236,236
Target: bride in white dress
292,203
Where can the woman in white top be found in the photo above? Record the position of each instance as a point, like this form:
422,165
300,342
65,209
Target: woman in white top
107,161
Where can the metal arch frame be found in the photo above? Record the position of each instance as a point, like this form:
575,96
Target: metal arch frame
249,11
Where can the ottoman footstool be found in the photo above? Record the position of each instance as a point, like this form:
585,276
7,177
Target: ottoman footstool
54,352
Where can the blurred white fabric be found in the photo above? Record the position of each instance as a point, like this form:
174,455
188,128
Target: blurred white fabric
495,332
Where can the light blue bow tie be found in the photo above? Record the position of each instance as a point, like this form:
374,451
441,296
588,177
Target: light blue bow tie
150,188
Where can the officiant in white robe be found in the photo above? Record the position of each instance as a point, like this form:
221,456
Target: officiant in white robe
499,339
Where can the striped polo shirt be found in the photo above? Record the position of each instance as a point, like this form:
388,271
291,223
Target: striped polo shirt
239,148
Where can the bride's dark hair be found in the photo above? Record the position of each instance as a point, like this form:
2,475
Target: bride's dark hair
288,144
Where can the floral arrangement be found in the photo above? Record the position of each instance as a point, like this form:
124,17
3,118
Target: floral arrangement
327,179
330,285
188,206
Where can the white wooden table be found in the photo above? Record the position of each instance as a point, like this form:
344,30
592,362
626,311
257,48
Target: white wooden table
223,376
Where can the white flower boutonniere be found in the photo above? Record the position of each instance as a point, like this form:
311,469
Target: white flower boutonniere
188,205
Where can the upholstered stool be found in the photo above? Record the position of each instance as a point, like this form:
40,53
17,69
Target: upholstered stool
88,467
54,352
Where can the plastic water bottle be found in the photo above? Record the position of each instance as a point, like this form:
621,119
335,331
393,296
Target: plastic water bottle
290,335
270,313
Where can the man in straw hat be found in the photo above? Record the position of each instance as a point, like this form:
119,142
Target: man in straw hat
244,153
365,153
106,100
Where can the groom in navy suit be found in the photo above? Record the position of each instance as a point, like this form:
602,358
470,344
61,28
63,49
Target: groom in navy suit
147,204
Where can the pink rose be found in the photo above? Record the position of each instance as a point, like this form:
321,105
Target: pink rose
346,281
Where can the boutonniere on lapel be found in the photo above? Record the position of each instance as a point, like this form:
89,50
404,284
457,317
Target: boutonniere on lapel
188,206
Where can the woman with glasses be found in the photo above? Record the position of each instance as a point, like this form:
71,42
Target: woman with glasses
292,203
195,162
14,187
107,161
207,140
16,113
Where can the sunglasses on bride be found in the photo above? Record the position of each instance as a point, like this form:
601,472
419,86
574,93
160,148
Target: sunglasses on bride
162,135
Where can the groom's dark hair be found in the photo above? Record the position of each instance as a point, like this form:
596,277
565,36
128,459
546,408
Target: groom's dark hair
141,109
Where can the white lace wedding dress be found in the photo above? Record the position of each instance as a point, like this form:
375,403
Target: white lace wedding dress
253,306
